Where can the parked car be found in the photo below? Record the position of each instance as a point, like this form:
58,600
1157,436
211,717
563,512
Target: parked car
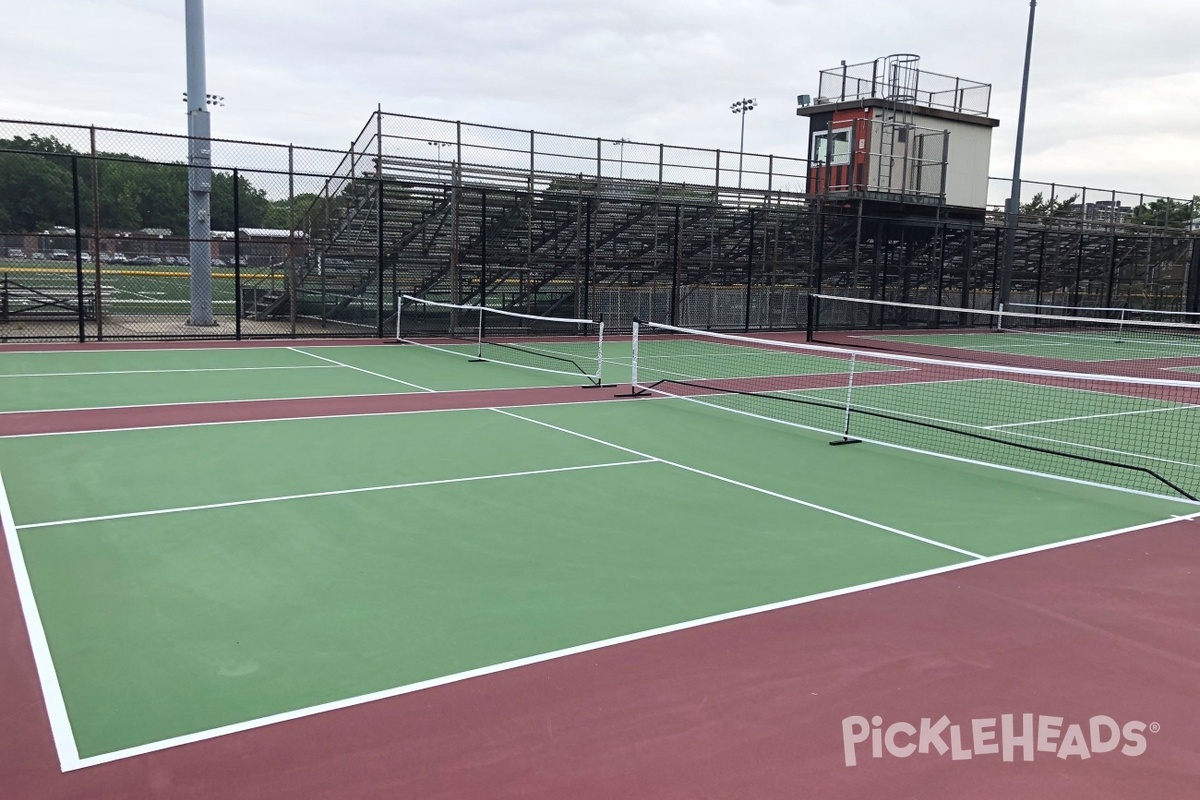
182,261
168,259
39,256
218,262
86,256
141,260
16,252
118,258
60,255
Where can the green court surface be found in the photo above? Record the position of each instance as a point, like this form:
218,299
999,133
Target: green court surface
196,577
1080,346
98,379
62,380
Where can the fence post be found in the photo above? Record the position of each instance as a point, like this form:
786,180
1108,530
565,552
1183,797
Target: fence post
749,271
293,290
675,266
483,261
96,236
587,259
78,249
379,258
237,258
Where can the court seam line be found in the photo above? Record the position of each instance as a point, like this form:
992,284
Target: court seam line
160,371
751,487
330,493
43,660
335,705
360,369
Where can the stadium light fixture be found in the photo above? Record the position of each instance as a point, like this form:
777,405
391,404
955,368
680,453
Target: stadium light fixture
209,99
622,142
439,146
742,107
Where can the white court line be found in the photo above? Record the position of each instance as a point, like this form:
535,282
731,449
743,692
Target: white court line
331,493
267,400
621,399
751,487
349,702
360,369
1093,416
159,371
56,707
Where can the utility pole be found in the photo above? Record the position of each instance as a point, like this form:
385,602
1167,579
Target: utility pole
1011,217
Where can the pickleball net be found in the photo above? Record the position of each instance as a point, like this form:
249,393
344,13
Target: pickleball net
559,345
1126,433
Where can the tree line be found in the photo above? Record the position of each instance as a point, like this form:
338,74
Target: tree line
36,192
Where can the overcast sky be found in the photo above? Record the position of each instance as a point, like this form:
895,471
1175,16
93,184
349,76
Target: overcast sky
1114,103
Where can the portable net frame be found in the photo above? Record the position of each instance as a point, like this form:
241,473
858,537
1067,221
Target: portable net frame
1083,335
558,345
1130,434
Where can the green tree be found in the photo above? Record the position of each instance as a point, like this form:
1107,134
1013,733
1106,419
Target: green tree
253,204
35,192
1039,206
1166,213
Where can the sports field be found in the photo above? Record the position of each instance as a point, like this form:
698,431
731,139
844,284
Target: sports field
210,544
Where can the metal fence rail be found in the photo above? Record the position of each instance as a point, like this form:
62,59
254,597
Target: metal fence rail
318,242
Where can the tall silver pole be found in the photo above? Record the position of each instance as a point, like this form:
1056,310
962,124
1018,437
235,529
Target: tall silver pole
1014,200
199,169
741,147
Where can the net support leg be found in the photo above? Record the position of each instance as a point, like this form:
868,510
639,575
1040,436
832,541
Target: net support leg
634,389
478,340
846,439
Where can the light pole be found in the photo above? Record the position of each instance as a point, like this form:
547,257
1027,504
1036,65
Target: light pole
741,107
1014,200
439,146
199,170
622,141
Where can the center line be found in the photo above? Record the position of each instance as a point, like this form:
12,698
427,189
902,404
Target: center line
749,486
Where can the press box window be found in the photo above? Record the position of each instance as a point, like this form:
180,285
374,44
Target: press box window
841,148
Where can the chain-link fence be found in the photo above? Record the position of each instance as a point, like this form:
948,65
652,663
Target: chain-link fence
310,242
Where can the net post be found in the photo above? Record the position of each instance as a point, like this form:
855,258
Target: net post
810,324
399,310
1000,319
600,357
634,389
849,395
479,339
633,376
